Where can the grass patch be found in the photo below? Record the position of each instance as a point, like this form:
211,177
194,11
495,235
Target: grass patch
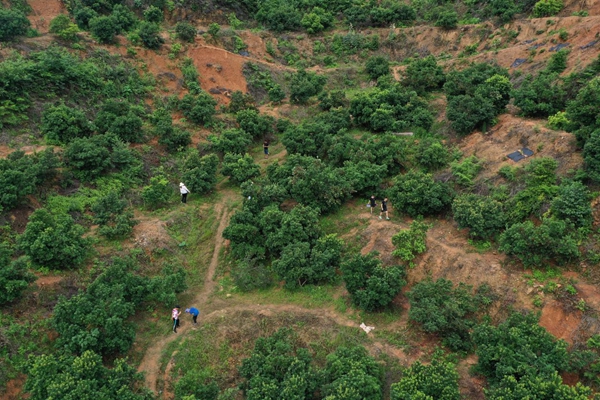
309,296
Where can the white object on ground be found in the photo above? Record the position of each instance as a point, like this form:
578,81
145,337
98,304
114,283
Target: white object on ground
366,328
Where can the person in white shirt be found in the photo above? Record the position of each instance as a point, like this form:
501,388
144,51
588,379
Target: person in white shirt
184,192
175,313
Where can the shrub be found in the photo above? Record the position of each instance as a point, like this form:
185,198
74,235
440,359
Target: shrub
483,216
124,17
276,93
110,212
466,170
63,377
149,33
62,124
540,96
120,118
83,15
432,154
548,386
88,157
441,308
411,242
185,31
573,204
416,193
377,66
424,75
250,274
279,16
14,276
199,108
591,156
558,61
278,368
200,173
195,385
231,141
558,120
53,241
352,373
104,28
153,14
584,111
517,347
533,245
438,380
239,168
158,192
62,26
304,85
12,23
371,286
255,124
547,8
447,19
317,20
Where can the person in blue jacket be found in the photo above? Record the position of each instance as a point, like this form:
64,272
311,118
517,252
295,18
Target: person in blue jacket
194,312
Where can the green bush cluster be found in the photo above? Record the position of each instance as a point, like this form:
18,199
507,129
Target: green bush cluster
371,285
377,66
13,23
416,193
115,220
198,108
158,192
171,136
482,215
233,140
14,275
305,85
424,75
411,242
200,173
239,168
353,43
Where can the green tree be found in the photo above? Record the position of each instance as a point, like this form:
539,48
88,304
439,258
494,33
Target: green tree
153,14
113,217
255,124
482,215
124,17
411,242
14,276
518,347
88,157
62,26
558,61
200,173
377,66
83,377
432,154
540,96
424,74
185,31
416,193
591,156
53,241
158,192
447,19
535,386
279,15
438,380
62,124
317,20
450,311
83,15
304,85
13,23
239,168
198,108
104,28
547,8
150,34
573,204
235,141
371,286
213,30
584,111
351,373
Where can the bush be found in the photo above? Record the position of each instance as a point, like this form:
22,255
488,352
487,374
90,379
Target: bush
111,214
213,30
278,368
239,168
584,111
553,240
124,17
351,373
83,15
573,204
153,14
158,192
62,26
424,75
432,154
304,85
13,23
441,308
195,385
200,173
63,377
411,242
88,157
279,16
466,170
483,216
121,119
377,66
447,19
149,33
517,347
558,62
230,141
591,156
185,31
540,96
371,286
547,8
438,380
14,276
62,124
255,124
558,121
104,28
548,386
53,241
199,108
250,274
317,20
416,193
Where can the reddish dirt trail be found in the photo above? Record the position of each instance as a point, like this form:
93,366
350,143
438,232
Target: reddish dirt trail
150,364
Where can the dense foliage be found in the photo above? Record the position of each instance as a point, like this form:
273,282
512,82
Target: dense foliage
438,380
416,193
14,276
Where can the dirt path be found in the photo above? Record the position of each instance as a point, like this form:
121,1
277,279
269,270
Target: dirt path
150,364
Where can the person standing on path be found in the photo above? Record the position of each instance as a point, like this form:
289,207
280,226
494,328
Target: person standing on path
193,311
184,192
384,209
266,148
372,203
175,316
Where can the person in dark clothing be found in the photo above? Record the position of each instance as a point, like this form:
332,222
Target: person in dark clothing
266,148
384,209
372,203
194,313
